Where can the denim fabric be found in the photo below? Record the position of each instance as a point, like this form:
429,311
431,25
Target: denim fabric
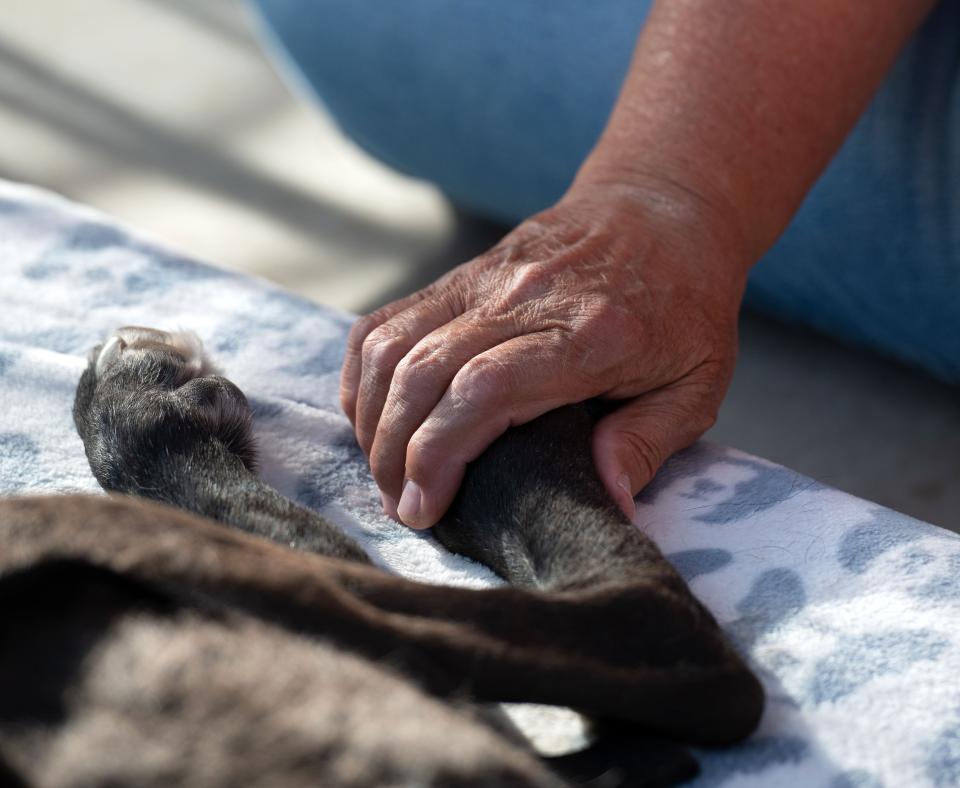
499,102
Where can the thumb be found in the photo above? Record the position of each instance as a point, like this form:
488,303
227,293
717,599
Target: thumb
630,444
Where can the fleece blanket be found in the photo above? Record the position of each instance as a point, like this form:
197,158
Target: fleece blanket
849,612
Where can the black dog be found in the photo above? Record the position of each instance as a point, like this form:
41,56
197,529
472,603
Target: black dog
151,647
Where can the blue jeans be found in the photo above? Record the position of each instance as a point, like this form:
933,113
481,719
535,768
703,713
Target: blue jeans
498,103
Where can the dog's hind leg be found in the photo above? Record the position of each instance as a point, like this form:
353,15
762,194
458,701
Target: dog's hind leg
533,508
157,422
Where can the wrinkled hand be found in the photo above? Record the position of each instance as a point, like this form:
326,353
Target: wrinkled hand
622,293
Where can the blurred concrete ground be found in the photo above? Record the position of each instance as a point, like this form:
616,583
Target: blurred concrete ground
165,114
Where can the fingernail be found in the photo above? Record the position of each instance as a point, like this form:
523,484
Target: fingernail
409,507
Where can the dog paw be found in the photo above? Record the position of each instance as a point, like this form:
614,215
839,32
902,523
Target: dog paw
148,394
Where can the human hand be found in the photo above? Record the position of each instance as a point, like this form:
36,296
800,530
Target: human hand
619,292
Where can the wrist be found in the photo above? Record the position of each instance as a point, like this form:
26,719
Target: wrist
701,214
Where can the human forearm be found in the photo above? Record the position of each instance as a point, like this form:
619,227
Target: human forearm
742,104
629,287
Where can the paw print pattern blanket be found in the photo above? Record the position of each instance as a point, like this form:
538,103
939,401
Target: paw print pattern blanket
849,612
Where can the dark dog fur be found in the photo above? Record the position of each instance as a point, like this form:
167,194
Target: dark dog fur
149,646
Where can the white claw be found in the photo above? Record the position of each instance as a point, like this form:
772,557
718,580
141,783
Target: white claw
109,353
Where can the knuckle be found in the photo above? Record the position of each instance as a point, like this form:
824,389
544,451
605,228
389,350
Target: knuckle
425,453
417,364
382,348
481,383
513,289
531,278
404,377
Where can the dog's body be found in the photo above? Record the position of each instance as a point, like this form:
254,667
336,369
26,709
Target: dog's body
188,653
